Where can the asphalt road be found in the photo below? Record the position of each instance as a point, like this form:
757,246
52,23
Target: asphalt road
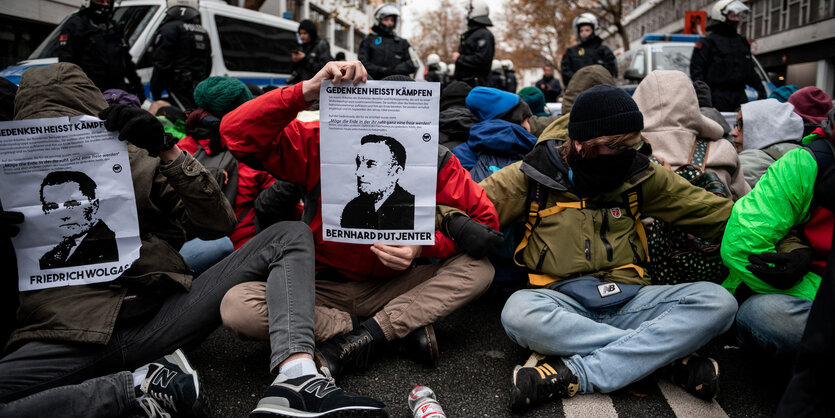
472,378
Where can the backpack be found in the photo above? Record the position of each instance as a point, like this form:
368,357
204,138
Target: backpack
224,168
678,257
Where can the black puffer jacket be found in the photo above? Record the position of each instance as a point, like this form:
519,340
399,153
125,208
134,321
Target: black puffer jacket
477,48
590,52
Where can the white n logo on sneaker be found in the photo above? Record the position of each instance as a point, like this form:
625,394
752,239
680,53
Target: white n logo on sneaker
163,377
321,388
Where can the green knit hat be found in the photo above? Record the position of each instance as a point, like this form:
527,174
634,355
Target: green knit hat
220,95
535,99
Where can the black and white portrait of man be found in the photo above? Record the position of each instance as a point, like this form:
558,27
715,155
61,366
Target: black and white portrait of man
68,199
382,203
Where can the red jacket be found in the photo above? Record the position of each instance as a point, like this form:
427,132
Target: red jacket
266,129
250,183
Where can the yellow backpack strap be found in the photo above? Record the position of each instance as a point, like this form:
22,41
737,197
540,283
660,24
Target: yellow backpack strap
538,195
633,201
637,268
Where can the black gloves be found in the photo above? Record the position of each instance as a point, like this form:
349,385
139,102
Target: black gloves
787,269
8,223
138,127
475,238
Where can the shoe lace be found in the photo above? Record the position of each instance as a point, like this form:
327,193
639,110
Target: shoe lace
152,408
358,352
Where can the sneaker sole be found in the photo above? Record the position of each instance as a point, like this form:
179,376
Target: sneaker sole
516,399
201,408
267,410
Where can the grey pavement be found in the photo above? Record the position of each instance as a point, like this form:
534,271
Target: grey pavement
472,377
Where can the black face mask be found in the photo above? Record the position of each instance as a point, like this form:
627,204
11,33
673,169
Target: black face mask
593,176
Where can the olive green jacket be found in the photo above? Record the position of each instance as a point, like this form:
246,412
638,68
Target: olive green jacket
602,238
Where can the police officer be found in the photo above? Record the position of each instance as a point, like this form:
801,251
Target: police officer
93,41
509,75
722,59
475,52
590,51
382,52
433,68
182,54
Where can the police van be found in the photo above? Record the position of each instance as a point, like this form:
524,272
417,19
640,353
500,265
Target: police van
251,46
669,52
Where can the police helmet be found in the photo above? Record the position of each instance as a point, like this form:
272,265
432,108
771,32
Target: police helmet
99,7
183,9
386,10
585,19
478,12
722,8
433,59
507,65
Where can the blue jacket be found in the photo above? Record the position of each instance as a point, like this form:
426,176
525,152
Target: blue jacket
493,144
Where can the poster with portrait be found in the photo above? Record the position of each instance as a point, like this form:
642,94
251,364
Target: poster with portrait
70,178
379,154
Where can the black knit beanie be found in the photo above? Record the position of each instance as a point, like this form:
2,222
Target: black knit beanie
603,110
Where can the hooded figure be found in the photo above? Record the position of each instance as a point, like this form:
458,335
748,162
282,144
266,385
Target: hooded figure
812,104
770,129
673,122
501,137
312,54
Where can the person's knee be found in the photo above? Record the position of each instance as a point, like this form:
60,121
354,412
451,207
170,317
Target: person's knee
517,315
479,273
243,310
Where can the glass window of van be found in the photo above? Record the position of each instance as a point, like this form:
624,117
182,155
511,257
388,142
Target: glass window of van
249,46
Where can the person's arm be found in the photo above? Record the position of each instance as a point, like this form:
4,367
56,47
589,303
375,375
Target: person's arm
406,66
164,50
508,190
364,56
260,133
566,68
69,43
609,60
277,203
556,87
672,199
456,188
763,217
700,60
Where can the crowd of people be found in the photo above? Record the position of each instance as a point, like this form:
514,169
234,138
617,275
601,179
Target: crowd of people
228,195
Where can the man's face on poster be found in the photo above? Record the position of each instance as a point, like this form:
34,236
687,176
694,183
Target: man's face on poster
72,212
377,170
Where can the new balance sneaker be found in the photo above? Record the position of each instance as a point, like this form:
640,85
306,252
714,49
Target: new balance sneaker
348,352
171,385
697,375
314,396
541,378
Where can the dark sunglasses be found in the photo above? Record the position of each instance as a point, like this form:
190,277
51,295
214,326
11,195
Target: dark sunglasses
738,124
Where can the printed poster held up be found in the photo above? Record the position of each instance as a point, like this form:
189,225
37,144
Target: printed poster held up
71,180
379,154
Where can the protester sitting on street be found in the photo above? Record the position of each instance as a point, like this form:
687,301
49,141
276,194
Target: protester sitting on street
777,242
74,340
500,137
119,96
455,120
673,124
243,184
173,119
390,285
812,104
765,130
607,328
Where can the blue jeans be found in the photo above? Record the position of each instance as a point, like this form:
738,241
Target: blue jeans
772,324
608,350
200,255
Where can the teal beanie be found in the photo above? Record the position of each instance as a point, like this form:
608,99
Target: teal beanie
535,99
221,95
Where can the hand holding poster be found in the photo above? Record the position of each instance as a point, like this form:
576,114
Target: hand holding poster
71,180
379,156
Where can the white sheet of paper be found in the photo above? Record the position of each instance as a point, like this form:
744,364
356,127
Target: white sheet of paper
370,191
71,179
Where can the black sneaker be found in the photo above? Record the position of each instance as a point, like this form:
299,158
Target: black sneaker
171,385
314,396
540,379
697,375
349,352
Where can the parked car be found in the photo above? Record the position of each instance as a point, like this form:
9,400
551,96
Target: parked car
668,52
251,46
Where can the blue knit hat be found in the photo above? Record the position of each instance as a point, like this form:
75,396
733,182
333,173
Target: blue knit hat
221,95
783,93
487,103
603,110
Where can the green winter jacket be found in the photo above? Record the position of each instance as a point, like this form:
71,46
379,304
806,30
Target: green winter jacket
602,239
763,217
